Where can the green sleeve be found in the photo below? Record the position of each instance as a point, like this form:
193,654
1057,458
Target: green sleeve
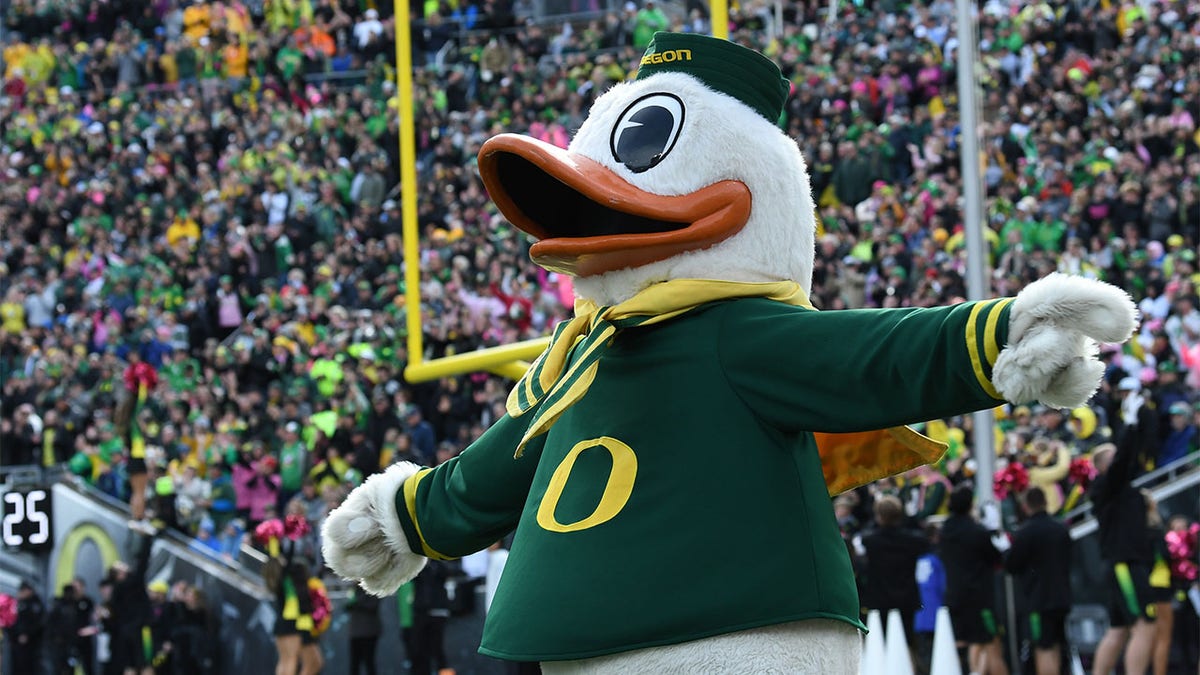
471,501
860,370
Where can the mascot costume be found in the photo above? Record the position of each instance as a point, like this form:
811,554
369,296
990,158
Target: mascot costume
667,462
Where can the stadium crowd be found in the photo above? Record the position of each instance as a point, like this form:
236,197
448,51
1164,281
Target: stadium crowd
199,201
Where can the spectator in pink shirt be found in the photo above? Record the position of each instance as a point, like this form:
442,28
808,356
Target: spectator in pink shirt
258,489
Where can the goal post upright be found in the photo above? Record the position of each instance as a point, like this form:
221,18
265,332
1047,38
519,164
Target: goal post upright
511,360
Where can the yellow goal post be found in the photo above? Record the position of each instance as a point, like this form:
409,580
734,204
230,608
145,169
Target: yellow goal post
511,360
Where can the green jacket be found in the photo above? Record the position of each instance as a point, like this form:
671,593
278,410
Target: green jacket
683,495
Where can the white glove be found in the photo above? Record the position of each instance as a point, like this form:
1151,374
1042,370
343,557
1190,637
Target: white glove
1001,542
989,516
859,549
1130,407
1054,325
363,540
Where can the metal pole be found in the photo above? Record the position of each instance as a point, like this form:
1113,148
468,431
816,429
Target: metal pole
977,264
1010,619
978,288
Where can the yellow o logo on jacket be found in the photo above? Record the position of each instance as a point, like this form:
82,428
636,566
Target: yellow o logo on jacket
616,491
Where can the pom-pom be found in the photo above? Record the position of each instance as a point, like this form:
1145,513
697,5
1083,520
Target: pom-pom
1012,479
322,608
1181,546
8,611
295,527
1082,472
268,530
141,378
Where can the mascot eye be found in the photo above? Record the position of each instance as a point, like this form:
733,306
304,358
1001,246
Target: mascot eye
647,130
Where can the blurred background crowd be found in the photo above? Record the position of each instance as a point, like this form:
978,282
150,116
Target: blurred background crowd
204,196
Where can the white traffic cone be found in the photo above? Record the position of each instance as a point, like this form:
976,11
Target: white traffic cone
874,658
1076,662
945,654
896,650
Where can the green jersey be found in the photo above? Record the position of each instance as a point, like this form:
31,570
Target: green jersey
683,495
292,466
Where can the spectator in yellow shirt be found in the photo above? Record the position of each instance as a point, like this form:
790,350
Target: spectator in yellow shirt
168,65
235,58
196,21
60,160
231,17
183,227
283,15
12,311
14,58
39,64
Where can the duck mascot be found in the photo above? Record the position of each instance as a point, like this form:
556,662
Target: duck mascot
667,463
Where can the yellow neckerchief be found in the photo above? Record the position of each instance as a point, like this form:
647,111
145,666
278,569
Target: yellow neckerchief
848,460
557,387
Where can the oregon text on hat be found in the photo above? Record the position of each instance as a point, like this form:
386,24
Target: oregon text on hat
722,65
667,56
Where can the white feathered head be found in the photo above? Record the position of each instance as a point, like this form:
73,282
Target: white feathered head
681,173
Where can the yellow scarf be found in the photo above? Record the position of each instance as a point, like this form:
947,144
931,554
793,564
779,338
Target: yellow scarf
848,460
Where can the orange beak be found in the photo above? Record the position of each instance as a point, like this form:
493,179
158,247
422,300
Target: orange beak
588,220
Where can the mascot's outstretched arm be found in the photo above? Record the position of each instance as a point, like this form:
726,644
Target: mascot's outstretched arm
860,370
387,527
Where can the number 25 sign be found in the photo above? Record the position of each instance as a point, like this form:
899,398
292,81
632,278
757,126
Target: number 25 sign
26,520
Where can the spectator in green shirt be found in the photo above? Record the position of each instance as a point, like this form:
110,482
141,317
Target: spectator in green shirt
186,63
648,21
1048,233
289,60
293,462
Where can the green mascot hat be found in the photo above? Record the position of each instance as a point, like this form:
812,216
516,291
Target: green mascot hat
729,68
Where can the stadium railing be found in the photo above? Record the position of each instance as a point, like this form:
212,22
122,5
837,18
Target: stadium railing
1163,483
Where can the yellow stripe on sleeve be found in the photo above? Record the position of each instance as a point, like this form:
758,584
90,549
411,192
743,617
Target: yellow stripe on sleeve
991,346
972,336
410,501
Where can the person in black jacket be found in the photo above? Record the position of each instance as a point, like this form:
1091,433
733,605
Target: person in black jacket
26,634
161,617
129,610
193,634
1040,559
107,631
85,632
68,616
970,560
891,553
1120,511
424,641
365,627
